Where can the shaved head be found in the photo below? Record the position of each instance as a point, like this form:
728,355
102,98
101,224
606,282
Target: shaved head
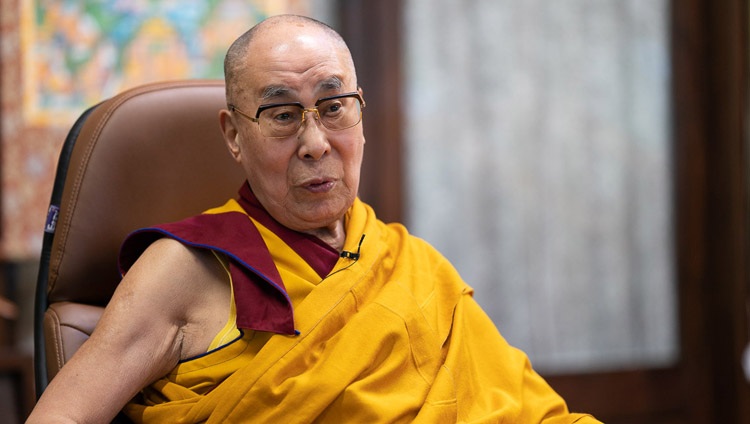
239,52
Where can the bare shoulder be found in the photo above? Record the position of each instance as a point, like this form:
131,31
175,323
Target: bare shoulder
167,260
184,286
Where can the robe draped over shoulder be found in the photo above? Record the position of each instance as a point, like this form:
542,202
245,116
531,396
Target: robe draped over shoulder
391,336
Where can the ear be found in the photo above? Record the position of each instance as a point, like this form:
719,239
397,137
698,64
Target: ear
230,133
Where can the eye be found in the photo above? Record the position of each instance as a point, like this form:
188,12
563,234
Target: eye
331,107
282,115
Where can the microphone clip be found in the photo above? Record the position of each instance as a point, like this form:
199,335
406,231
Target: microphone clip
351,255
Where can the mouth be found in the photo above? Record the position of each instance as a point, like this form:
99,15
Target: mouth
319,185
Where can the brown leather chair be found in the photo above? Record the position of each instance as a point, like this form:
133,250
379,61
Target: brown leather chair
152,154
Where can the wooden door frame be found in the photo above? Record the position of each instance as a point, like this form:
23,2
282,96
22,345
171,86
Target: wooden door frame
709,56
372,29
709,96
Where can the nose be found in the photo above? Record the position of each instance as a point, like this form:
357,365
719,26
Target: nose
313,144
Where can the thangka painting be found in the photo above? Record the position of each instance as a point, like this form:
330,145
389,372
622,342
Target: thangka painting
78,52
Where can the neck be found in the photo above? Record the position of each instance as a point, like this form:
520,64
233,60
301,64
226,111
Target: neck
333,235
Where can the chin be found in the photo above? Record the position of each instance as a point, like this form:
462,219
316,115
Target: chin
322,216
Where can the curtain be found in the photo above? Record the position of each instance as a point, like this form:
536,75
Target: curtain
538,161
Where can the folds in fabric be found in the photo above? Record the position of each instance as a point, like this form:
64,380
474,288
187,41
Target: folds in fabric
394,336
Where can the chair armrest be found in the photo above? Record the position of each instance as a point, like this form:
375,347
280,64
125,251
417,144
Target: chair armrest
66,326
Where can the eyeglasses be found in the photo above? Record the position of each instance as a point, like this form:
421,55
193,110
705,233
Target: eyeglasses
284,119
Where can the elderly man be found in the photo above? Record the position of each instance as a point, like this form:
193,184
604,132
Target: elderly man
293,303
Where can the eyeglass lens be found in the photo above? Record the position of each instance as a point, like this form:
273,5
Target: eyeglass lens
335,114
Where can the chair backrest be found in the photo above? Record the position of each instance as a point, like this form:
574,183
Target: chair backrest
149,155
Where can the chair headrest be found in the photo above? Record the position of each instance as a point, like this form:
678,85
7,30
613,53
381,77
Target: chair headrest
152,154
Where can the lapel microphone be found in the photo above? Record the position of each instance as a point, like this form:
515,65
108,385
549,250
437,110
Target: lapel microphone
351,255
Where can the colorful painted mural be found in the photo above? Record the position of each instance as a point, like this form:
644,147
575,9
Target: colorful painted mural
78,52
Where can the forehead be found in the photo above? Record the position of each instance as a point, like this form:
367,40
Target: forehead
292,61
331,84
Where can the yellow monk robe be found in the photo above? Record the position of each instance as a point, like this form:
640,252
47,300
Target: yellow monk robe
231,348
393,336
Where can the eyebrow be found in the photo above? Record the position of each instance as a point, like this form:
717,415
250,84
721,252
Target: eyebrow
273,91
276,91
332,83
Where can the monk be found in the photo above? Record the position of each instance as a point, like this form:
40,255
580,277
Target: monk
293,303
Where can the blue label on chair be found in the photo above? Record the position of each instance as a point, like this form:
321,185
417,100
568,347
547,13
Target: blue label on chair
52,215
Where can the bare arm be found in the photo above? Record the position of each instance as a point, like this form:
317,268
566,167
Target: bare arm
168,307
